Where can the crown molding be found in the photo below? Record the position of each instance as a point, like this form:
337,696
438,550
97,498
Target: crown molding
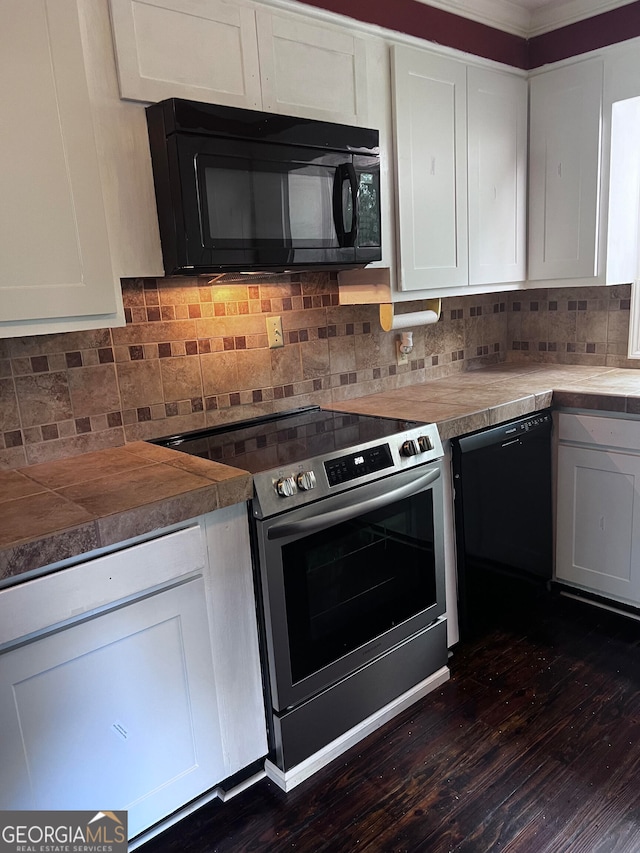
500,14
554,15
518,19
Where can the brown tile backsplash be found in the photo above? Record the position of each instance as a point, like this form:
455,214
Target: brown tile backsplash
194,353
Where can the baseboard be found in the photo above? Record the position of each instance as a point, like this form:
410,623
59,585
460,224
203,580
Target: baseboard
594,600
289,779
228,794
213,794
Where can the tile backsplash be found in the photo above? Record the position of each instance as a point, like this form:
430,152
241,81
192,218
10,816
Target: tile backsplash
195,354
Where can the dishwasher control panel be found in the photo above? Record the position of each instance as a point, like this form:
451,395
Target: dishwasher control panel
527,424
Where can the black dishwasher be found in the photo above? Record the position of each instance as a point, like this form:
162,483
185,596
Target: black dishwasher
503,514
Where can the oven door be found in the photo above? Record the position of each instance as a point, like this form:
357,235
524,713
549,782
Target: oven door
348,578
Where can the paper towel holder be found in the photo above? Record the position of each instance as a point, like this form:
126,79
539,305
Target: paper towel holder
390,321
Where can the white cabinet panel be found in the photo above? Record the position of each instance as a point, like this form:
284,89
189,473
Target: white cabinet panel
204,50
311,70
54,249
122,142
208,51
497,175
132,679
622,111
234,636
430,115
84,589
598,521
564,171
118,710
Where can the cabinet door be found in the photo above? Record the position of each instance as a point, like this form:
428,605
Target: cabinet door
430,116
598,521
622,114
497,175
117,711
54,248
311,70
204,50
564,176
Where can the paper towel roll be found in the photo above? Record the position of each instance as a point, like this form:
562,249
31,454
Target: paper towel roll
390,321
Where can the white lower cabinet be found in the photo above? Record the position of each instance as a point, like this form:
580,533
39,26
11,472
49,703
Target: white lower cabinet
598,506
114,709
126,703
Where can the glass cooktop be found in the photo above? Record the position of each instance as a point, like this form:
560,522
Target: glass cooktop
285,438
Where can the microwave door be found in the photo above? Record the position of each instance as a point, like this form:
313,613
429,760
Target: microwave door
264,207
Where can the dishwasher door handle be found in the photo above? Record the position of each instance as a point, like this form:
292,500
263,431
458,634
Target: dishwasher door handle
509,443
349,511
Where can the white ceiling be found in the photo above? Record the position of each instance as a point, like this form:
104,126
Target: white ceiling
527,18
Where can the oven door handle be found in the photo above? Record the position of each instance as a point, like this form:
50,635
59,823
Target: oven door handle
349,511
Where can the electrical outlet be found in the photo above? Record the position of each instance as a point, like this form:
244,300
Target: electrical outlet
274,332
401,357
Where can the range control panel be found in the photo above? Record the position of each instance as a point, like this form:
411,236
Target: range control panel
354,465
313,479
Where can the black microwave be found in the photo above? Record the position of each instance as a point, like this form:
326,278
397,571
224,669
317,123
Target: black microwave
239,190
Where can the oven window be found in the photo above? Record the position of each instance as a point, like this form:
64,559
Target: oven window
355,581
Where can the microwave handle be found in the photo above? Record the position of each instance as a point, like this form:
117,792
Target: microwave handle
345,172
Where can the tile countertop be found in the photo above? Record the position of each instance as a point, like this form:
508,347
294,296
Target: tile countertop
469,401
58,510
63,509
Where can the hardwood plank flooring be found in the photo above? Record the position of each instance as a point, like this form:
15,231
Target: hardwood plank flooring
533,746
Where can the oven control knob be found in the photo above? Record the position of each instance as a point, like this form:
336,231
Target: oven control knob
410,448
306,481
425,443
286,487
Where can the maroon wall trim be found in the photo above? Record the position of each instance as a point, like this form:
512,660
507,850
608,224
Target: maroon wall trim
435,25
445,28
592,33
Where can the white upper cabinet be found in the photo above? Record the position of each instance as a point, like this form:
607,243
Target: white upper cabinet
622,114
564,171
430,115
204,51
461,145
311,69
55,257
497,176
77,207
240,55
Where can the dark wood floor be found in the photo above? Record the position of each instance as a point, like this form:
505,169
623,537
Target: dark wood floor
532,746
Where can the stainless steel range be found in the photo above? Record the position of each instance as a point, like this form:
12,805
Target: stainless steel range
348,548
